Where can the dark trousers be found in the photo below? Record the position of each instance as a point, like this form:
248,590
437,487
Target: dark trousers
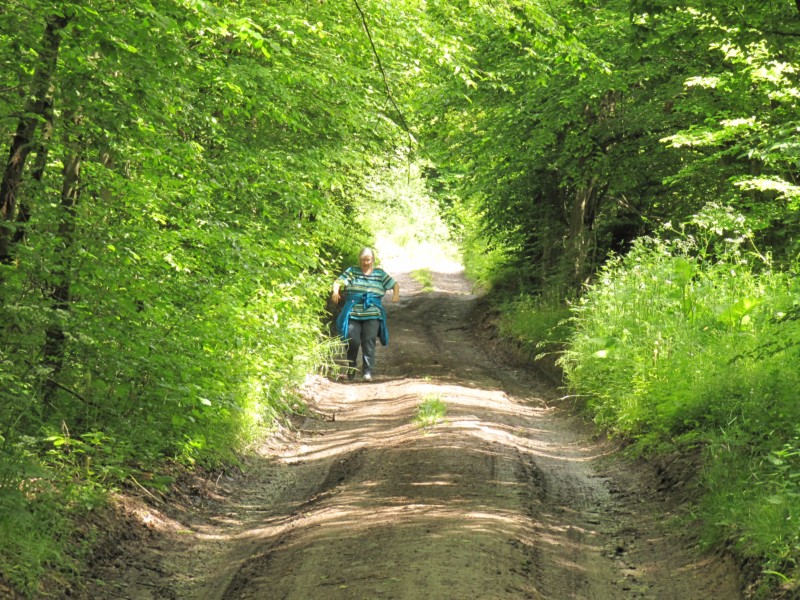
362,334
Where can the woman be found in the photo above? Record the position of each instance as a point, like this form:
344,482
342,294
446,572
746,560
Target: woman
363,318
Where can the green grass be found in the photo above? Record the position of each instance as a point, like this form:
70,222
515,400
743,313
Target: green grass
425,278
431,410
538,326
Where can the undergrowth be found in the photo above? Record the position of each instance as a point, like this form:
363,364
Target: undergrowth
692,341
192,384
539,327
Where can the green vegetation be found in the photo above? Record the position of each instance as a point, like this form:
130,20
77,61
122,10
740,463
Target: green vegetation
540,327
425,278
692,341
183,180
407,222
177,194
431,411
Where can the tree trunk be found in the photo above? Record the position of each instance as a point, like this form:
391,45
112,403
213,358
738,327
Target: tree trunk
23,140
581,220
39,166
55,339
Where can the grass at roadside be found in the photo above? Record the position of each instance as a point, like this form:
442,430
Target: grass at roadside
690,346
538,326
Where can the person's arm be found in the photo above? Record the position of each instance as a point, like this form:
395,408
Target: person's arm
396,294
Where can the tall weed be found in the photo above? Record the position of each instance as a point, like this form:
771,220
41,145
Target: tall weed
695,340
662,329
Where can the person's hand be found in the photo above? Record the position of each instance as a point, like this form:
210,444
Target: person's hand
395,297
335,296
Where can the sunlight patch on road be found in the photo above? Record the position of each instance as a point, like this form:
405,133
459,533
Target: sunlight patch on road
471,411
345,517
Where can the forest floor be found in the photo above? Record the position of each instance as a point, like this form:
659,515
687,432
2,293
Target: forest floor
511,496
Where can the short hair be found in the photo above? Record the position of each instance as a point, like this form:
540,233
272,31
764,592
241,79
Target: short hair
366,249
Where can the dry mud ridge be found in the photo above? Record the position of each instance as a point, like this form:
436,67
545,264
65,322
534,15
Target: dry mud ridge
510,497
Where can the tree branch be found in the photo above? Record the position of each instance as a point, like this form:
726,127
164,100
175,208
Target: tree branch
71,392
782,33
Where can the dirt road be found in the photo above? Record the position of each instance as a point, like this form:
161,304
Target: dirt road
509,497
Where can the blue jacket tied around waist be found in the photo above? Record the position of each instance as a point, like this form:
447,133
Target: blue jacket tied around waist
369,299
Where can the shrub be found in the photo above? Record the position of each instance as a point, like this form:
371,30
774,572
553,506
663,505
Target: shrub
696,340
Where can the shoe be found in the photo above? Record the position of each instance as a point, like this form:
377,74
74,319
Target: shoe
367,376
351,375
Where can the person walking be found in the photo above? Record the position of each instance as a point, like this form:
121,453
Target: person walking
363,317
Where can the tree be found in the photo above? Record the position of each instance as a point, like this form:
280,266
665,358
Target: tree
565,123
37,108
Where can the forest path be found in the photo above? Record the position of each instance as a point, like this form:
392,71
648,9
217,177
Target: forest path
510,497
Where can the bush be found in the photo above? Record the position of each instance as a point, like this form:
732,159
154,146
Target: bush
695,340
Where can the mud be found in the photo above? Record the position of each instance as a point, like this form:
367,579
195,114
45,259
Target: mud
509,497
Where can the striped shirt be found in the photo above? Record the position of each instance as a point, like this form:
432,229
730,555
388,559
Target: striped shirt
378,282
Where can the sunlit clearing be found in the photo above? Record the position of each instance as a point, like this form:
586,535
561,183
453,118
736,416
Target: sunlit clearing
438,257
406,223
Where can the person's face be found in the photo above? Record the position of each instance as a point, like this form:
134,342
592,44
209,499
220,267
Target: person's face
366,260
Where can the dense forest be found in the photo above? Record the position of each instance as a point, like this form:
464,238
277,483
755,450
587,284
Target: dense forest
183,178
